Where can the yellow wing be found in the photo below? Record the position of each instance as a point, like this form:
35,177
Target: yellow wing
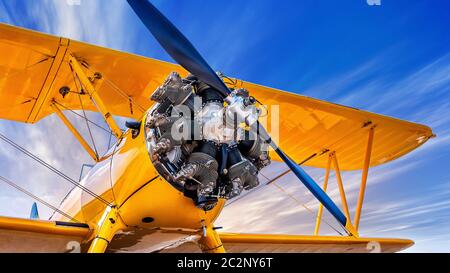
267,243
34,66
26,235
308,128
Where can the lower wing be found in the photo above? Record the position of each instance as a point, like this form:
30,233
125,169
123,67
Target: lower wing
30,235
267,243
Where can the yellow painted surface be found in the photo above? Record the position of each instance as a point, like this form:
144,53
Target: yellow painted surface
256,242
88,85
211,243
133,193
325,186
40,226
270,243
138,198
289,239
364,175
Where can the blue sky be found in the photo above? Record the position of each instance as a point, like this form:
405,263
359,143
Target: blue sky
392,59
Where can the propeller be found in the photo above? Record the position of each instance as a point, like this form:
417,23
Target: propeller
184,53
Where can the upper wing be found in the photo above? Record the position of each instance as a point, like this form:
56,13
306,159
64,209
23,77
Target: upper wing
308,127
267,243
26,235
34,66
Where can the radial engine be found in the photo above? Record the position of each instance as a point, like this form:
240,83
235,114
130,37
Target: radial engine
200,143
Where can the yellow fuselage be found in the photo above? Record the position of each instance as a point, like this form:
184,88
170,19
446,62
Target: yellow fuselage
128,180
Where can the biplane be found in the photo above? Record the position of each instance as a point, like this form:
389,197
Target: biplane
159,190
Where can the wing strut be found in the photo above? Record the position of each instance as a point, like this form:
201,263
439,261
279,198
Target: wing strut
89,87
75,132
365,173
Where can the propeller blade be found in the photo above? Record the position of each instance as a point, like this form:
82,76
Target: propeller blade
176,44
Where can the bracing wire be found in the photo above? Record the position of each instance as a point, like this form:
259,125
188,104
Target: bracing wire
14,185
82,108
82,92
87,119
273,182
87,125
53,169
124,95
120,92
270,181
289,170
109,141
301,204
306,207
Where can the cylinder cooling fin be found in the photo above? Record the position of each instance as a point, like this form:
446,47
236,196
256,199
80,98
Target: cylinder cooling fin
197,141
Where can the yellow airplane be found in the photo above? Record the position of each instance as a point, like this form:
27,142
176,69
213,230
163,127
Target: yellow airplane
157,192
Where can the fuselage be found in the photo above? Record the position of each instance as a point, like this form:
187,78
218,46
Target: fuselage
128,180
